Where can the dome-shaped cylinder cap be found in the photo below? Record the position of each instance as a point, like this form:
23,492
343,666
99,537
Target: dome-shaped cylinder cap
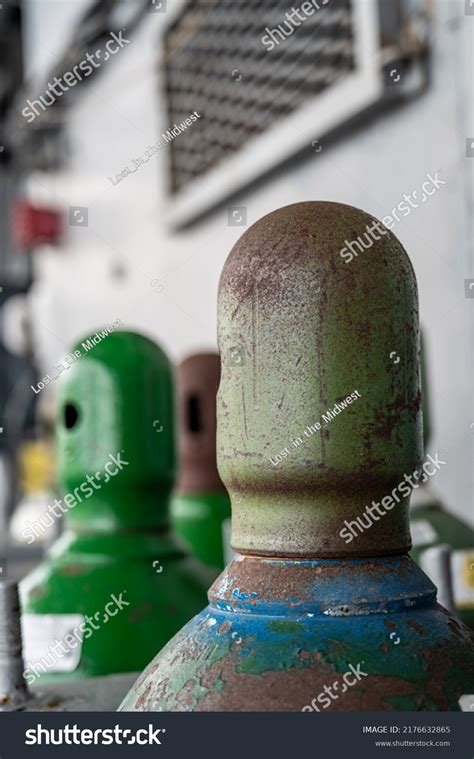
316,418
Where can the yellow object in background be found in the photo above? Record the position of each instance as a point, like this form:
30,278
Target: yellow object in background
36,466
467,569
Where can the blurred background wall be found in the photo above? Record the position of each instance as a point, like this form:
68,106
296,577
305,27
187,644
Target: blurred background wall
129,263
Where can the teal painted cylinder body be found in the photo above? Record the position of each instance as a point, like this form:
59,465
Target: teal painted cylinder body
314,635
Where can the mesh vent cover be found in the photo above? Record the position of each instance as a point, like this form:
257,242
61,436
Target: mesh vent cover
216,64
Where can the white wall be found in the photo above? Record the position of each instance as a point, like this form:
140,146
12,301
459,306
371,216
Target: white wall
120,114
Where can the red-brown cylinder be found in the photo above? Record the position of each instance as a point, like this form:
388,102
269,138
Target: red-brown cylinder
198,382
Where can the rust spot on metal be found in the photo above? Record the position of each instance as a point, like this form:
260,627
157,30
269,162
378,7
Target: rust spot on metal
185,695
142,701
416,626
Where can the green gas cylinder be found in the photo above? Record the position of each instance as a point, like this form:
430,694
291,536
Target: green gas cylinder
432,524
116,585
200,508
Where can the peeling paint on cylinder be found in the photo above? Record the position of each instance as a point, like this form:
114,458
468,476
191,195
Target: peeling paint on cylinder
302,628
299,605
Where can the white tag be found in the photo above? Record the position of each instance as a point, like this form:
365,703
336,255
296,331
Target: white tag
422,533
462,571
466,703
44,643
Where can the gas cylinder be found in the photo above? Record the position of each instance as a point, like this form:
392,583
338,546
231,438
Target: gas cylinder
117,584
200,508
433,524
318,434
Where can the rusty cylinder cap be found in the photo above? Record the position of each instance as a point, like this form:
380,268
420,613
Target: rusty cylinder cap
301,329
198,381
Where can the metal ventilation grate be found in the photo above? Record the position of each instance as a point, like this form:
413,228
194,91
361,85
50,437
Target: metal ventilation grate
217,64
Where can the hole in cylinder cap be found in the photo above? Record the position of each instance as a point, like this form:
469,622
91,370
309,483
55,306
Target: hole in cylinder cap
193,413
71,415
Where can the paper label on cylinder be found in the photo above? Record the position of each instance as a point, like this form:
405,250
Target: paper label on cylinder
462,571
52,642
467,703
422,533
